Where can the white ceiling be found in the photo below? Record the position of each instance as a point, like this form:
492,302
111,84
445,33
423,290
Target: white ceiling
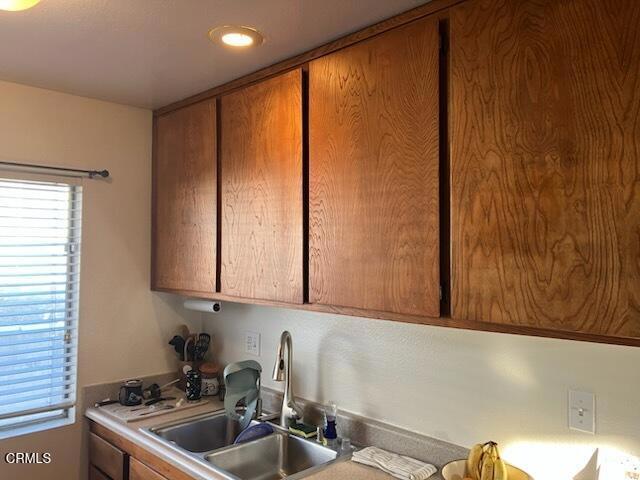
150,53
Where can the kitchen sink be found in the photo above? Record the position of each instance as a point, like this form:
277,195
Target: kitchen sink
202,434
270,458
208,439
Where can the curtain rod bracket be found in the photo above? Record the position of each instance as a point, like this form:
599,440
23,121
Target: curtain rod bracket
98,173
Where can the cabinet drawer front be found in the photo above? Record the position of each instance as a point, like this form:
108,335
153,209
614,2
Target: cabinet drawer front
106,457
139,471
95,474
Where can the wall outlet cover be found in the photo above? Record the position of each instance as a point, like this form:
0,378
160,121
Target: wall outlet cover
582,411
252,343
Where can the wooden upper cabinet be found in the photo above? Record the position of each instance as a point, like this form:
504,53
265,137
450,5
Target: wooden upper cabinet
261,190
184,200
374,173
545,152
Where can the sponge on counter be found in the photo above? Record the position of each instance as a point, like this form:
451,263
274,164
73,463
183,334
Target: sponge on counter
303,430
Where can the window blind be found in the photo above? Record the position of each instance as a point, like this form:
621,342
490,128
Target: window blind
40,228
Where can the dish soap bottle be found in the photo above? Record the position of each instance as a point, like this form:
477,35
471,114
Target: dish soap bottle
330,431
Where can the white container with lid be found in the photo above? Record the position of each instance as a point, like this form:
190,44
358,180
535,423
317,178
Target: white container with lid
210,381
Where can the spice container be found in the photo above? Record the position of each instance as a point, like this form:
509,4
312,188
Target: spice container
210,381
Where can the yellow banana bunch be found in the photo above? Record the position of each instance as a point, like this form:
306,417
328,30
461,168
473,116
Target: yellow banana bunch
473,461
484,463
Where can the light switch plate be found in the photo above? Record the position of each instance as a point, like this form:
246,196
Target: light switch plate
252,343
582,411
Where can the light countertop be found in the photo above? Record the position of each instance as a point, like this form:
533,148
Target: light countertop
131,431
346,470
350,471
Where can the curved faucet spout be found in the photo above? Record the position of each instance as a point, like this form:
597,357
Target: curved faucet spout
282,372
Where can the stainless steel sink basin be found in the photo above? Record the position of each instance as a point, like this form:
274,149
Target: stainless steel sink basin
274,457
208,439
202,434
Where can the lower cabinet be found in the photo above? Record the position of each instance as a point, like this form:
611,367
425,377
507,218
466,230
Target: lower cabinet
106,460
112,457
95,474
136,471
139,471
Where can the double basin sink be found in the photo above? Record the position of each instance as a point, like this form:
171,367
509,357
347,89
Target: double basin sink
209,440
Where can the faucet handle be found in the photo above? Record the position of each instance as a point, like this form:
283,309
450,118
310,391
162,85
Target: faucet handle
298,413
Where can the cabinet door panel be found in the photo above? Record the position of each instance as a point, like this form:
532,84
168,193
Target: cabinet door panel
184,197
139,471
106,457
373,173
545,153
95,474
261,182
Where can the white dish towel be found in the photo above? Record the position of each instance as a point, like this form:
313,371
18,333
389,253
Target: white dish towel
405,468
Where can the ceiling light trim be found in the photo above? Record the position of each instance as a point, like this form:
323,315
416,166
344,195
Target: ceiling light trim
236,36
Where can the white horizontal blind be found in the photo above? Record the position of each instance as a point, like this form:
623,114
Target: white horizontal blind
40,225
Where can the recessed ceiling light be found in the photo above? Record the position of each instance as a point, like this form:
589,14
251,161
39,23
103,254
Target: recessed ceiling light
234,36
17,5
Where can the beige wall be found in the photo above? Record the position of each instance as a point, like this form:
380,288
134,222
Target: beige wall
456,385
123,326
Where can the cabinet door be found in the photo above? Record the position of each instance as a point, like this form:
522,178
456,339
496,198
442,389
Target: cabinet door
106,458
95,474
374,173
184,200
261,189
139,471
545,153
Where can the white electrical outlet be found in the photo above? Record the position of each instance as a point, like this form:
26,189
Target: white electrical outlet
252,343
582,411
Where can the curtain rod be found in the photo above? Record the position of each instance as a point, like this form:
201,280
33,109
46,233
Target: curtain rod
68,172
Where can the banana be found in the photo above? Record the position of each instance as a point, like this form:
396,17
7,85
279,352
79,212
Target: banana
499,467
500,470
484,463
473,461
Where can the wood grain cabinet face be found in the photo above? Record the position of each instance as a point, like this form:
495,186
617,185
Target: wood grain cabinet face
106,458
95,474
184,199
261,190
374,173
139,471
545,152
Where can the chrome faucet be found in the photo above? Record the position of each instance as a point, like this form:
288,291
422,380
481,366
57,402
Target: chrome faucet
282,371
